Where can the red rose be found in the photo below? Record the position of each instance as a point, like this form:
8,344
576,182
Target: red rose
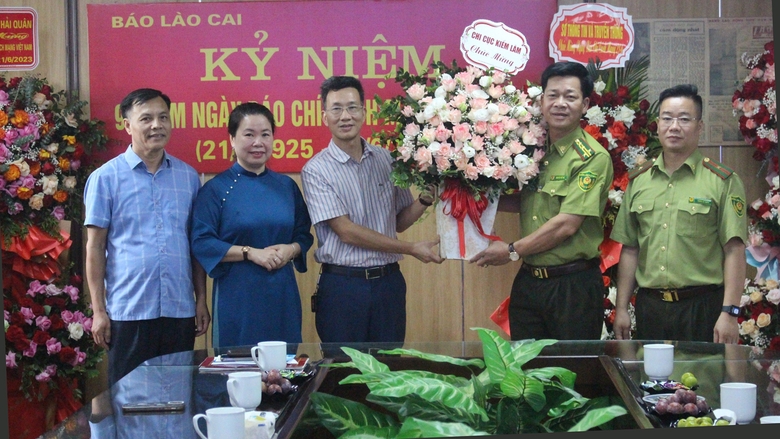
67,355
40,337
37,309
17,319
46,90
644,105
621,182
763,145
48,168
653,127
16,336
623,92
595,99
14,82
55,302
774,344
56,322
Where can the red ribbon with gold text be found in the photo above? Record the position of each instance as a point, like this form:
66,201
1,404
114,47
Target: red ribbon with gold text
463,203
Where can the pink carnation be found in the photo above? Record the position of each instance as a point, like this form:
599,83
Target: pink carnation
47,374
43,322
30,351
461,132
416,92
423,158
67,317
10,360
53,346
35,288
471,171
28,315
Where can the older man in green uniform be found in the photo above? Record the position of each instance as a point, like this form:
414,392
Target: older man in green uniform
558,291
683,229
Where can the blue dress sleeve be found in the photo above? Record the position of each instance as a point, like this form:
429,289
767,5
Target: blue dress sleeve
206,246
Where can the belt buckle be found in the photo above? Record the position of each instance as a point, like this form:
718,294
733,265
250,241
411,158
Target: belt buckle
540,273
374,273
669,296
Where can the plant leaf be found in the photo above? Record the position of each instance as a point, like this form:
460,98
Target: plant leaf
370,378
430,390
477,362
497,353
365,363
526,350
598,416
418,428
565,376
339,415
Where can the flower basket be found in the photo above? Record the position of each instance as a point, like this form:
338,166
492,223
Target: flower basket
463,224
472,134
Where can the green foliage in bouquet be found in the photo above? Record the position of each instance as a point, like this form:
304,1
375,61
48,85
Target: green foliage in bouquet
501,398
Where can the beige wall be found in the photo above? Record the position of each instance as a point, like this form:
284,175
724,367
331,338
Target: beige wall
438,296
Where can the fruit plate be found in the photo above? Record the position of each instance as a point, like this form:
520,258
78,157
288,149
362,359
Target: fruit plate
670,419
664,386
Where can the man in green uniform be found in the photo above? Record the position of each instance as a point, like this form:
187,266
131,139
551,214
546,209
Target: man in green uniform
683,228
559,292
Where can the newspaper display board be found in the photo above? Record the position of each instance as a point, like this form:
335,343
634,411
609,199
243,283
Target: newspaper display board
706,52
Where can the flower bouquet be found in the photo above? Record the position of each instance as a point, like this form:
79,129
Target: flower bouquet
755,105
623,122
44,150
45,146
472,135
47,332
758,319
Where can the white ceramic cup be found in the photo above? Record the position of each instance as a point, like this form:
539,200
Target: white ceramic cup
270,355
770,419
739,398
659,360
221,423
245,389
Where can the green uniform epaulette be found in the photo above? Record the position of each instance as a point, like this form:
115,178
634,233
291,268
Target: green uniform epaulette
637,171
583,149
717,168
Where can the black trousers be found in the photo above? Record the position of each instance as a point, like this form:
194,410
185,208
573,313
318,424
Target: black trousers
133,342
689,319
568,307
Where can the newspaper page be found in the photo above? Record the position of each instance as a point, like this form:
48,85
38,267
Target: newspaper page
706,52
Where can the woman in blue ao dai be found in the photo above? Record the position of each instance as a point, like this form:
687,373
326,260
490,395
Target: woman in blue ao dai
250,230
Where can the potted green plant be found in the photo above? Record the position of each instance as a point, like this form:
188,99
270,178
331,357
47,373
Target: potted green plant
501,398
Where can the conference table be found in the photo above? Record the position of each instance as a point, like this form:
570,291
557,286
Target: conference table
604,368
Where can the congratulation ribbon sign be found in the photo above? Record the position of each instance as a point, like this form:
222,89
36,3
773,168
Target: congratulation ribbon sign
487,44
18,39
587,31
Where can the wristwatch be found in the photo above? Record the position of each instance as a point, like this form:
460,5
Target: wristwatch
245,251
731,310
512,253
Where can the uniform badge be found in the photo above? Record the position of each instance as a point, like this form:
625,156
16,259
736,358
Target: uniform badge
739,205
557,178
586,180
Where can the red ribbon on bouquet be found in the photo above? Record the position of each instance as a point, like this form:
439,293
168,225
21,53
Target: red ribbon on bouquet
463,203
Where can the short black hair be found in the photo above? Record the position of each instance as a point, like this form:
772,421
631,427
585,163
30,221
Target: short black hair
569,68
689,91
247,109
137,97
335,83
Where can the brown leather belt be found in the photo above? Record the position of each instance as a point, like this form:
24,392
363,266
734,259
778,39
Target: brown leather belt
560,270
678,294
362,272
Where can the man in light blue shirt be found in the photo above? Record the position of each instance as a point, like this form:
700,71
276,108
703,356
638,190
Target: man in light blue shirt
144,285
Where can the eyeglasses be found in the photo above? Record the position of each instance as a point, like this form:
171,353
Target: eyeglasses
353,110
683,121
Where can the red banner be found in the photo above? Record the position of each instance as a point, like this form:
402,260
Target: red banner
209,57
592,30
18,38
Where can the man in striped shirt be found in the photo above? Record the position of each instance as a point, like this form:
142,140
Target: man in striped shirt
357,211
